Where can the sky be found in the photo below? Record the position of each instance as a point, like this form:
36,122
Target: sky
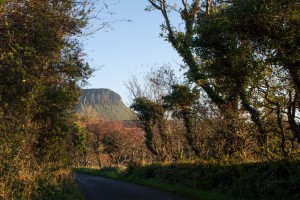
131,48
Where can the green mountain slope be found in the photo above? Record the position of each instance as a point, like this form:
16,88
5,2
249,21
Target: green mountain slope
104,103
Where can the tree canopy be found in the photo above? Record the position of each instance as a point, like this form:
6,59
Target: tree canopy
244,55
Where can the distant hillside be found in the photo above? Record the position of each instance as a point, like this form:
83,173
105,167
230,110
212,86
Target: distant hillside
104,103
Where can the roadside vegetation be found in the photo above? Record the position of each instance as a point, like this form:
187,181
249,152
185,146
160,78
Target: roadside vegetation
231,123
42,67
142,178
213,181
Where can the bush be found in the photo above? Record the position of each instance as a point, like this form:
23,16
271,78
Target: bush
268,180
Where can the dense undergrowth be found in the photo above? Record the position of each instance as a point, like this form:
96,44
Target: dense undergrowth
267,180
65,189
39,185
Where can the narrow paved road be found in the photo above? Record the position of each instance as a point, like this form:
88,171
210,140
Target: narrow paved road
98,188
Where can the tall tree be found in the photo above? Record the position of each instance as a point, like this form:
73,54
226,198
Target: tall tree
240,53
209,51
273,28
41,68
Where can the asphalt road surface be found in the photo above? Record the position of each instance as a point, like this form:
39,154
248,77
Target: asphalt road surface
99,188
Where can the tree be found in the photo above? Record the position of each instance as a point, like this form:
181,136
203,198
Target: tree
273,27
79,139
41,63
231,66
181,101
163,136
95,134
206,57
112,142
41,69
152,117
241,53
182,41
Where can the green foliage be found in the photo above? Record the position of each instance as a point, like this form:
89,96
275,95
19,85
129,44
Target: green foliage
245,56
79,137
148,111
182,98
182,102
151,114
273,28
111,143
245,181
41,68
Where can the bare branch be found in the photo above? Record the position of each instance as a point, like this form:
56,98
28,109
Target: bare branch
155,5
183,3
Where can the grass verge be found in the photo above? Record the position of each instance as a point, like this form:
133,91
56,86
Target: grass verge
266,180
117,174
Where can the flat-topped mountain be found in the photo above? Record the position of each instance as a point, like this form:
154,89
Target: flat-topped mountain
105,103
99,96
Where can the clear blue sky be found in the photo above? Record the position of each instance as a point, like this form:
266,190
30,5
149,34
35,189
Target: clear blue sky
130,49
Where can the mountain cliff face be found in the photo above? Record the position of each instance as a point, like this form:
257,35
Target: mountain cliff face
99,96
104,103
